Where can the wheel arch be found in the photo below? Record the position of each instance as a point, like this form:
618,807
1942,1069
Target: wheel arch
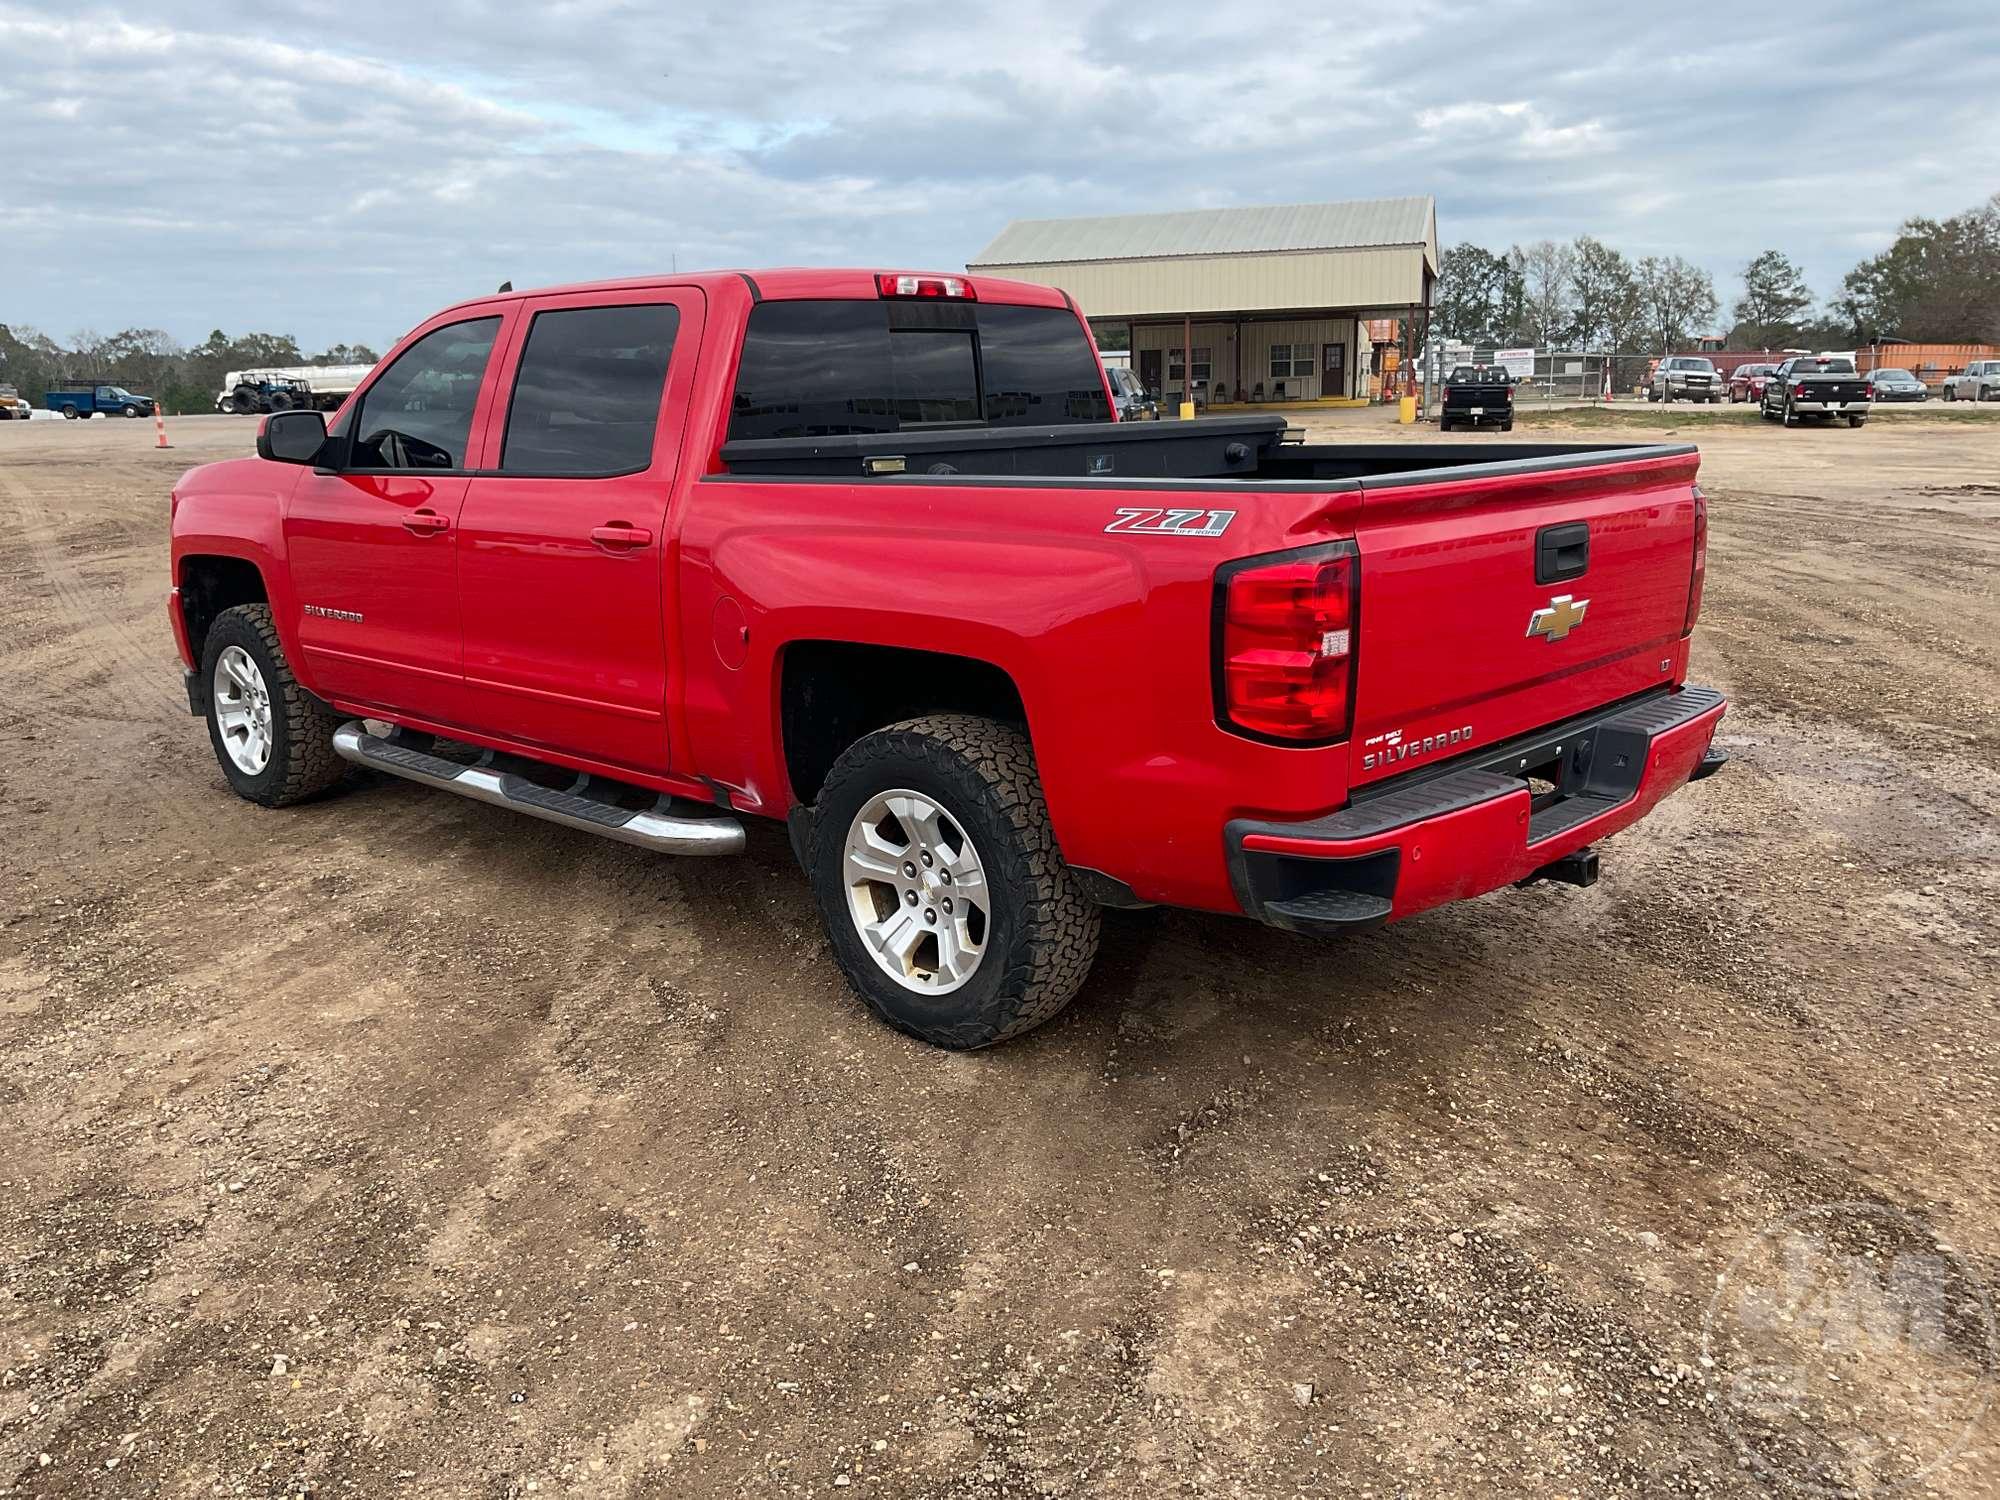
206,584
832,692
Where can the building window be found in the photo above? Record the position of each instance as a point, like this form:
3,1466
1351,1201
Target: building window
1289,361
1201,364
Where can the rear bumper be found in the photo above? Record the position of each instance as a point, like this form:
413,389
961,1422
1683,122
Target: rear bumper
1436,837
1830,408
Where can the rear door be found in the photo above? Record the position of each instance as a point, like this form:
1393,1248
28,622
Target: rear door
563,555
1491,606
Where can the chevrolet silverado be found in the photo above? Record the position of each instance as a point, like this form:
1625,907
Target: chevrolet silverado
864,552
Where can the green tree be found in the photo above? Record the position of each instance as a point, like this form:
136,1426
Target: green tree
1478,296
1939,282
1772,308
1607,309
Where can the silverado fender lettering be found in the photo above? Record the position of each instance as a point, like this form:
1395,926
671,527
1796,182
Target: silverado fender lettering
641,577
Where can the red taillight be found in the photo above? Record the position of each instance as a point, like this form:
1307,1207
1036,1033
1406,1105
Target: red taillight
899,284
1700,574
1287,646
1799,390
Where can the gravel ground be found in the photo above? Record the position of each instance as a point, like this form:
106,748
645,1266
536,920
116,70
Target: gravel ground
398,1146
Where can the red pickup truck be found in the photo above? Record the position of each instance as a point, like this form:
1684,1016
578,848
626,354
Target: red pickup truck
865,552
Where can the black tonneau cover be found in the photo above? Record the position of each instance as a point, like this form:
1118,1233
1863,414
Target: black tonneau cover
1212,448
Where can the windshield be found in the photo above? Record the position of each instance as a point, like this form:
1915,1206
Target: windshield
1690,364
1894,375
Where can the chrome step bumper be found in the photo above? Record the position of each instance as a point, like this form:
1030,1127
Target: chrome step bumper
668,826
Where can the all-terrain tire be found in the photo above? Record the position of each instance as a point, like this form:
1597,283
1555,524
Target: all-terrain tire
1042,930
302,762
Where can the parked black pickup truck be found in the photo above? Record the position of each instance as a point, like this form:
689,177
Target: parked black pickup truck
1815,385
1476,394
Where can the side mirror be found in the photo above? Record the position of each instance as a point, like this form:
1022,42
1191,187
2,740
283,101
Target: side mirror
291,437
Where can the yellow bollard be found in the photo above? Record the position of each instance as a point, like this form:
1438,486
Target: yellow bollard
1406,410
1187,411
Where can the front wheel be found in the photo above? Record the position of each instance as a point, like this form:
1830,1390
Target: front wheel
936,873
273,739
1986,393
132,411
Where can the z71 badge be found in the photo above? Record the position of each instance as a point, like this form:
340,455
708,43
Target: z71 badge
1161,522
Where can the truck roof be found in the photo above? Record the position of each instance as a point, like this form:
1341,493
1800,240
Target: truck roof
790,284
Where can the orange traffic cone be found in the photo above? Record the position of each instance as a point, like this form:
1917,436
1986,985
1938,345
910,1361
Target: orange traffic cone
159,428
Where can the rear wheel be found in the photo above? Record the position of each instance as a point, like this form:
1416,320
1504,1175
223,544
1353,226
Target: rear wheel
1950,393
1855,421
69,413
1791,417
936,872
273,739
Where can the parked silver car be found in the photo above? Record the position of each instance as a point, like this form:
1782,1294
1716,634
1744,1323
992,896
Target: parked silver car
1896,385
1686,377
1980,381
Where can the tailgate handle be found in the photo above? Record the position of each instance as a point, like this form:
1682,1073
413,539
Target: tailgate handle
1562,552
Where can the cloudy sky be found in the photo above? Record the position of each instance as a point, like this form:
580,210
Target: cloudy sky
338,169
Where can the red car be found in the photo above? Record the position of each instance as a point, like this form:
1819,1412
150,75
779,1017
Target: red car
1746,382
862,553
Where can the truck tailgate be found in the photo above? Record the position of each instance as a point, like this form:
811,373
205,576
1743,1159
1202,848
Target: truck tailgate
1503,601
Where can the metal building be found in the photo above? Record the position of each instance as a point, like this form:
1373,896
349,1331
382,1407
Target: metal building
1266,304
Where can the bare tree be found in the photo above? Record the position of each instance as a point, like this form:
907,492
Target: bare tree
1548,272
1679,298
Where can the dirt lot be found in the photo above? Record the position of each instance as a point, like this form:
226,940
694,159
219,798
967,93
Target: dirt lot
398,1146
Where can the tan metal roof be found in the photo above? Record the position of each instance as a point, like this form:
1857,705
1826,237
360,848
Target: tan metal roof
1213,231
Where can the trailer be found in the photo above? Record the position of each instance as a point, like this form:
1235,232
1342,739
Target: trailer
280,388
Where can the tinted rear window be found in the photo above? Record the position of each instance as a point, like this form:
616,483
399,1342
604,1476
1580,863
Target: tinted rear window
587,398
824,368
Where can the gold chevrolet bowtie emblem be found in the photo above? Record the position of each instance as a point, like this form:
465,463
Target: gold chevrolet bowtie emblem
1562,616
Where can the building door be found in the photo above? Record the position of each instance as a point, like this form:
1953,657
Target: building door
1149,371
1333,370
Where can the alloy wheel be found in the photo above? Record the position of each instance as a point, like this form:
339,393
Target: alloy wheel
243,710
917,892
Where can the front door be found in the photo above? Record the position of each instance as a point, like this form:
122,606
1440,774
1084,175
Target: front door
371,546
563,555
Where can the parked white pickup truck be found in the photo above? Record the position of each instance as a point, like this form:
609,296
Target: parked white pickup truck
1979,381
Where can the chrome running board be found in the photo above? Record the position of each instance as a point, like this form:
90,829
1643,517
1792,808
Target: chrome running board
670,826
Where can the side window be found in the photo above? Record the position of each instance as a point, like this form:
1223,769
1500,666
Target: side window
587,396
418,413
